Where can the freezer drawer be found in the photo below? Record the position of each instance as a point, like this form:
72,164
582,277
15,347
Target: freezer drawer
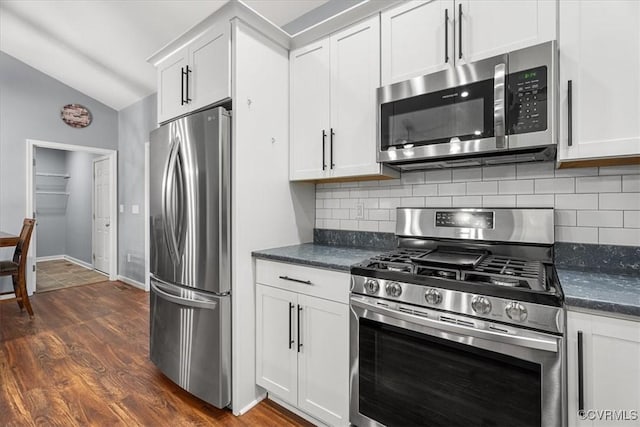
190,340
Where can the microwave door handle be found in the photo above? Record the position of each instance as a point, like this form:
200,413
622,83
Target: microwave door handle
499,90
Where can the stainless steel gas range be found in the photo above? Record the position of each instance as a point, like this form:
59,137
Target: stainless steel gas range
462,325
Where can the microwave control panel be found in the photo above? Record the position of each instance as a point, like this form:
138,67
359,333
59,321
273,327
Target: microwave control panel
527,101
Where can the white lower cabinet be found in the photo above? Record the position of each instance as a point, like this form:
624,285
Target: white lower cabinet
302,341
607,351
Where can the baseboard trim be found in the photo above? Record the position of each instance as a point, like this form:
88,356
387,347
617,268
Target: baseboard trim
131,282
248,407
49,258
296,411
80,263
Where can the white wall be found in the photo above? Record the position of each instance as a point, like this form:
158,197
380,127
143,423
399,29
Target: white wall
593,205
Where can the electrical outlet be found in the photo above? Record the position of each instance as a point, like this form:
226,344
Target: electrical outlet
128,257
359,210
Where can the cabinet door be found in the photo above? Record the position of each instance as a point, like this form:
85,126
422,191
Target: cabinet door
611,367
417,39
355,76
209,64
603,67
170,86
323,370
494,27
309,108
276,355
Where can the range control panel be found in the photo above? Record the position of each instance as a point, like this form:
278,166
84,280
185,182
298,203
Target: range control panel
464,219
527,101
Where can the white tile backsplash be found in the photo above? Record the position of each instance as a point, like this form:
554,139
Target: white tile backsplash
593,205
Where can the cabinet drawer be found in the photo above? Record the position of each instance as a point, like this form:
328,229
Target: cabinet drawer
327,284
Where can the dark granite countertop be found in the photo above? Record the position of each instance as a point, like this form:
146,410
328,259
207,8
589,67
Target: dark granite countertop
614,293
324,256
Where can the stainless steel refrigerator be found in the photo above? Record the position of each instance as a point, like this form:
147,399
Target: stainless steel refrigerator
190,190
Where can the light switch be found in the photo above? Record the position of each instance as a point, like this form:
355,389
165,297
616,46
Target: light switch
135,209
121,208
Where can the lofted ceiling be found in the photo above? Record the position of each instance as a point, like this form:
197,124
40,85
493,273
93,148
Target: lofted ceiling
99,47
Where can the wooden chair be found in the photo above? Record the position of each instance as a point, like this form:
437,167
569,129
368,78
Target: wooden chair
16,268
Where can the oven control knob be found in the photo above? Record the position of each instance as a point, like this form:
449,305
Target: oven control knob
371,286
516,311
433,296
394,289
480,305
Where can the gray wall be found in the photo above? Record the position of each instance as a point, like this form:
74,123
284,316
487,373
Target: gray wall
30,103
51,209
134,124
79,206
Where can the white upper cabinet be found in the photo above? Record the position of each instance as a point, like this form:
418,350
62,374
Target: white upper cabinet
421,37
333,105
417,39
599,45
486,28
310,121
196,75
610,362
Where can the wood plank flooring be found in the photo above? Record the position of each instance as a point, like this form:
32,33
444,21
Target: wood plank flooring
83,360
60,273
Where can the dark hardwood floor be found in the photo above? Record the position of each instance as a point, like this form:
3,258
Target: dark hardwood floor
83,360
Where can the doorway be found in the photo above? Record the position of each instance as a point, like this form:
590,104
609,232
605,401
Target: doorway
100,210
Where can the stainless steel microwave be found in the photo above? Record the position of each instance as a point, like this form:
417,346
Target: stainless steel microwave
498,110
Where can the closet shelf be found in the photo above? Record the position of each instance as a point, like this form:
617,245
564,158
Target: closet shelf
53,175
53,193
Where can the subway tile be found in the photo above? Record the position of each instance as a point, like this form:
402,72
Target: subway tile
379,214
323,194
347,203
498,172
389,182
467,201
576,201
620,170
631,219
390,202
481,188
334,203
535,200
467,174
425,190
393,213
358,194
340,213
329,185
353,214
438,176
620,236
438,202
416,177
631,183
568,172
340,194
323,213
370,203
402,191
320,223
554,185
535,170
379,192
387,226
368,184
319,203
600,218
368,225
522,186
348,224
332,224
452,189
412,202
348,184
576,234
620,201
565,217
498,201
599,184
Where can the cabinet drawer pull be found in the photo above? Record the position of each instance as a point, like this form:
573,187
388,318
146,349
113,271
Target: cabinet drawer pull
446,36
188,100
570,113
182,86
299,327
331,164
291,279
291,306
324,141
580,372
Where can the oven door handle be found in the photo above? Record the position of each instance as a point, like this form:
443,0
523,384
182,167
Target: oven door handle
541,343
499,90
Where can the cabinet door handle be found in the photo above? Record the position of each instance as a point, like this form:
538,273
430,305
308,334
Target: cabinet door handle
580,372
324,141
182,86
333,165
299,327
460,30
570,113
446,36
291,279
291,306
188,100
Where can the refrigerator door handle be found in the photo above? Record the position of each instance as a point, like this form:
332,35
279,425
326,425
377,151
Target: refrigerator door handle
180,227
224,206
167,210
202,302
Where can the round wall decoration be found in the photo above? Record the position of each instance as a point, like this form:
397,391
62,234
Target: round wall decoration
76,115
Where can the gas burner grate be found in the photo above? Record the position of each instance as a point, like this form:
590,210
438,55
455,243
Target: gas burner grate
504,271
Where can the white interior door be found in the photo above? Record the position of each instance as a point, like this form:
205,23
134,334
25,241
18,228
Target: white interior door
101,214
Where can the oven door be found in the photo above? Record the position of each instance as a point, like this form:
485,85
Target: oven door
454,112
436,369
